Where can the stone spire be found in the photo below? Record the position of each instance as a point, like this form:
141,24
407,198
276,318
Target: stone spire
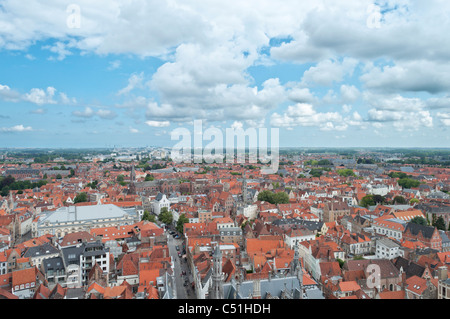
294,263
296,269
132,185
217,284
244,189
11,201
133,174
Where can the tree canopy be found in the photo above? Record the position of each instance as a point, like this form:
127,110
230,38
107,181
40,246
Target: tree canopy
148,216
80,198
419,220
346,172
181,221
439,223
273,198
165,216
408,182
372,200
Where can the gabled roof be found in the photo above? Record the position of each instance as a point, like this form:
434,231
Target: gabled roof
416,285
330,269
409,267
4,294
415,229
95,288
24,276
349,286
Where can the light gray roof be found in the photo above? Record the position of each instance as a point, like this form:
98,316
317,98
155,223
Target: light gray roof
80,213
387,242
314,294
274,287
74,293
407,169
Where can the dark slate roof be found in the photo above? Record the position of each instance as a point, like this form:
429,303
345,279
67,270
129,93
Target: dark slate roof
71,255
444,237
153,183
310,225
54,264
94,249
42,250
409,267
427,231
159,196
274,287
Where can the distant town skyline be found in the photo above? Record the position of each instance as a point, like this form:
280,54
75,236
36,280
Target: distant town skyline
326,73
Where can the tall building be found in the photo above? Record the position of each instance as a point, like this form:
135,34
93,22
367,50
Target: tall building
216,290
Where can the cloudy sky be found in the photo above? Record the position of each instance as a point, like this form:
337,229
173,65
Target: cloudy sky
325,73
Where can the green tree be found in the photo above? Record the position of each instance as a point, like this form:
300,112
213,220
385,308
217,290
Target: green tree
281,198
419,220
439,223
414,201
120,178
149,178
273,198
367,201
58,176
165,216
5,191
80,198
408,183
148,216
379,199
399,200
181,221
398,175
265,196
324,162
316,172
346,172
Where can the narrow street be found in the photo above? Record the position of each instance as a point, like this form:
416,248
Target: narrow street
183,291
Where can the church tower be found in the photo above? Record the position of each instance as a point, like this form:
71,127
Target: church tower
296,269
244,190
133,174
132,185
11,202
217,284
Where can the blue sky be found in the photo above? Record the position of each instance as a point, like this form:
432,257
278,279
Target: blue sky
326,74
